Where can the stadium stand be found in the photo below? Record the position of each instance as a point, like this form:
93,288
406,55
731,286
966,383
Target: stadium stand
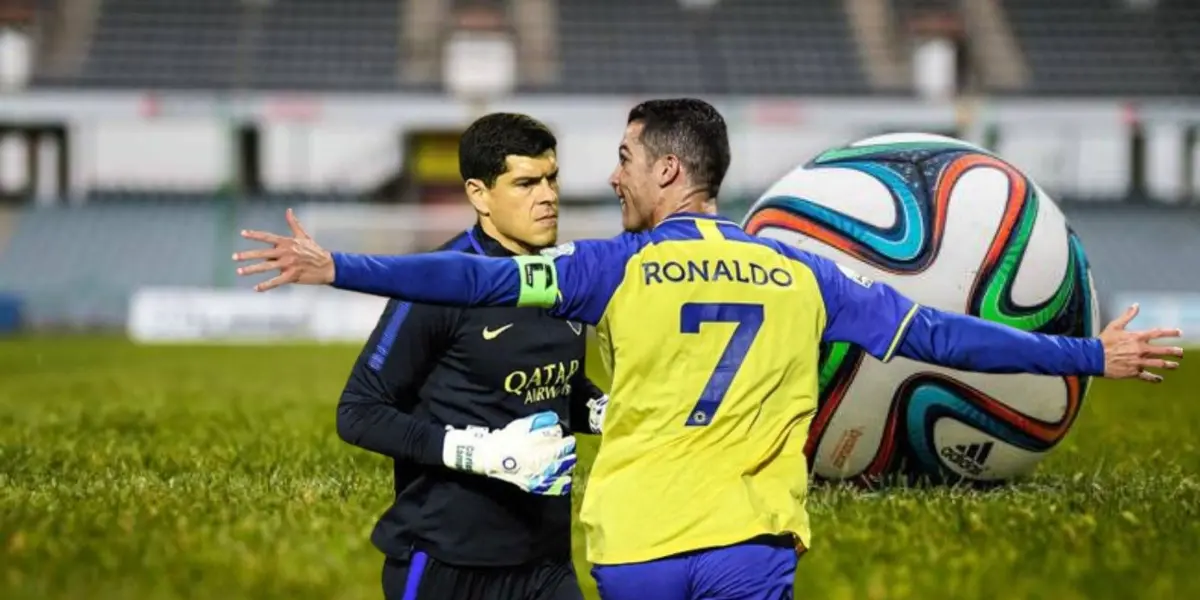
771,47
603,49
1182,29
614,46
144,43
222,44
753,46
316,44
1088,47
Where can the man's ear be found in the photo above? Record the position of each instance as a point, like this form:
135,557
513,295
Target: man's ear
479,195
667,170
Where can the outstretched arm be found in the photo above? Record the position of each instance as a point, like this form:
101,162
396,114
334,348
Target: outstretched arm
450,278
440,278
574,280
885,323
974,344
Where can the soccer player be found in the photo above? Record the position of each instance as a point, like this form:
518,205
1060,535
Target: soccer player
433,382
712,335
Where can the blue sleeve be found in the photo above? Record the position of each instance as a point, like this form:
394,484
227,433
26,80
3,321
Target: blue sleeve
974,344
574,280
868,314
375,410
442,278
883,322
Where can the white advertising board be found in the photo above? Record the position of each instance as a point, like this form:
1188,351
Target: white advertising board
239,315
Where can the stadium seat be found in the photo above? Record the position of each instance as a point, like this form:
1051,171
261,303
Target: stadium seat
145,43
750,46
283,45
1081,47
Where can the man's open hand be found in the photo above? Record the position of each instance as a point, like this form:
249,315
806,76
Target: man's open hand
1127,354
298,259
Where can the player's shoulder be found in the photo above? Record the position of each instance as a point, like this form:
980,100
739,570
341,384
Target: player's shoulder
458,243
825,269
821,267
787,251
404,312
617,248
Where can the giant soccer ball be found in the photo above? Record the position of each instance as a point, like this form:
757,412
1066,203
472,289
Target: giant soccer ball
954,227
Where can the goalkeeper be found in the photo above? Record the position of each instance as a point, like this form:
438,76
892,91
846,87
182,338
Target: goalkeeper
436,388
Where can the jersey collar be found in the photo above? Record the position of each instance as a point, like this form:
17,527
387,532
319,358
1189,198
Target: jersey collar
691,216
482,243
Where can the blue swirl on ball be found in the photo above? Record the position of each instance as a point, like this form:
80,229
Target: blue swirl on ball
903,242
930,401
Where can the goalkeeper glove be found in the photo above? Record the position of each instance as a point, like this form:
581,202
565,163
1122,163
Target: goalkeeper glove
596,410
530,453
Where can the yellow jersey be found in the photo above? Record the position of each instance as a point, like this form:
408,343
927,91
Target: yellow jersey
712,338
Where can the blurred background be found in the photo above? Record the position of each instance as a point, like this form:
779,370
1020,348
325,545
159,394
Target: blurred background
138,136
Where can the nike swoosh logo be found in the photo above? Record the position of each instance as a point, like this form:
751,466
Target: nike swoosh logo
490,334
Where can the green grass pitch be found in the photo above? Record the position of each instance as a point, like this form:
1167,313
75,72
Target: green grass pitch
215,472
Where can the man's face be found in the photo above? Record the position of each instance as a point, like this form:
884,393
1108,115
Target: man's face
523,204
634,182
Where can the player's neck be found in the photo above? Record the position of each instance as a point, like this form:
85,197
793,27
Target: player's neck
695,202
508,243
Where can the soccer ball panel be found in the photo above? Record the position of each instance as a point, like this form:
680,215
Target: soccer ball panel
857,195
856,431
902,138
875,419
1044,265
973,219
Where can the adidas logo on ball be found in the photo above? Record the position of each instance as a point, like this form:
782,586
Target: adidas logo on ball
971,457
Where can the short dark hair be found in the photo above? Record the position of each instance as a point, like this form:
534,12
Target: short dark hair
486,144
692,130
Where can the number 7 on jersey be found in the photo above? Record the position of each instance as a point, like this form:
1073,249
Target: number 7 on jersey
749,319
